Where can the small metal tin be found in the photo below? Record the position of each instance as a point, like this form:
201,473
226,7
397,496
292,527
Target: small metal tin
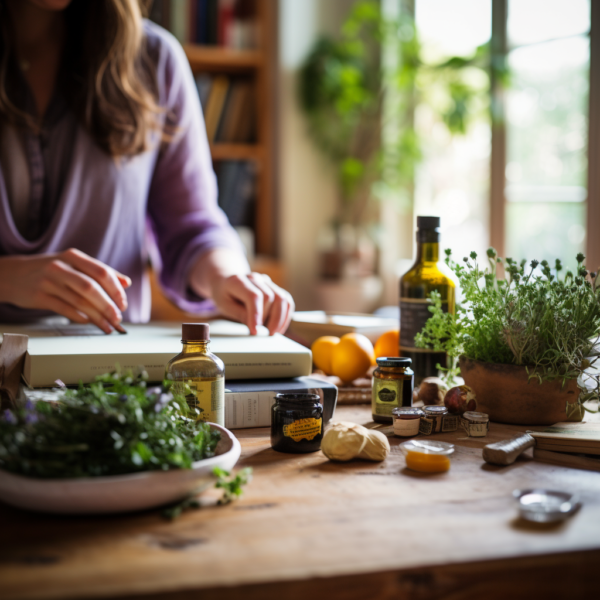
546,506
406,420
476,424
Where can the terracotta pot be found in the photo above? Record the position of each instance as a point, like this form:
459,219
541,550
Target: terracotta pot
506,395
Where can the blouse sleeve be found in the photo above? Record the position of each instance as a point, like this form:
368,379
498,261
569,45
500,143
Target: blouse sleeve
182,202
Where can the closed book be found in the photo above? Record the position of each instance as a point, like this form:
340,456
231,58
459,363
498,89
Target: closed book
74,353
569,437
248,403
564,459
308,325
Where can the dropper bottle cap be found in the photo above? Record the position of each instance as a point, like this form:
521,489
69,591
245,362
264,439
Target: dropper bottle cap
195,332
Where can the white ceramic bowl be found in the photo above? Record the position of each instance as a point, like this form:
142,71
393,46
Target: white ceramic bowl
119,493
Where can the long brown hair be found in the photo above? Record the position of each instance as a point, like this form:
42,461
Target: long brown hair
107,74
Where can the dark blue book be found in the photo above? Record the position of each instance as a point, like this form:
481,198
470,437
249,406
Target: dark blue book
202,22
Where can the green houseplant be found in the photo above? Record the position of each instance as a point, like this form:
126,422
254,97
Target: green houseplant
524,343
359,92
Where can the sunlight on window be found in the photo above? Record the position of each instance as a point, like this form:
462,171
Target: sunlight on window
546,122
453,179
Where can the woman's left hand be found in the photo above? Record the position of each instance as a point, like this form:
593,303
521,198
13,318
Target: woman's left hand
251,298
255,300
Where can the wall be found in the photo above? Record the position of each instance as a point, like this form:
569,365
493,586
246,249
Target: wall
307,187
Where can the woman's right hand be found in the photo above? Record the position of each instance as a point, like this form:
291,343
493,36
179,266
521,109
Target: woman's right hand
69,283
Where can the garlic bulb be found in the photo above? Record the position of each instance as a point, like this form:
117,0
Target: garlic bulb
344,441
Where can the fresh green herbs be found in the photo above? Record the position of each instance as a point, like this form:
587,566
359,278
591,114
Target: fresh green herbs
113,426
535,317
231,485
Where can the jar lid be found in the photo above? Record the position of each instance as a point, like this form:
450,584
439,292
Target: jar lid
394,361
435,411
427,447
408,412
300,398
195,332
476,417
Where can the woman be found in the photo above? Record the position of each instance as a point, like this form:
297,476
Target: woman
101,141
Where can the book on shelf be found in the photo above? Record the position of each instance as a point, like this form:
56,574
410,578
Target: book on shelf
215,104
248,403
226,23
582,438
236,181
229,108
72,353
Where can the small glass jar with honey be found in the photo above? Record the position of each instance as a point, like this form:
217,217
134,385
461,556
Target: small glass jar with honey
393,384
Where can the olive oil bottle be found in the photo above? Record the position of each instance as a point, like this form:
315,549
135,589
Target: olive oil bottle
199,375
426,275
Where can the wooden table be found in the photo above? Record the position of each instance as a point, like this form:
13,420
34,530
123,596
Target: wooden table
307,528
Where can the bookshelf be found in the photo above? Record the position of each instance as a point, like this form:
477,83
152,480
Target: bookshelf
256,64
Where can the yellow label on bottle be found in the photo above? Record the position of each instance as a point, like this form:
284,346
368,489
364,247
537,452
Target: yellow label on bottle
210,400
303,429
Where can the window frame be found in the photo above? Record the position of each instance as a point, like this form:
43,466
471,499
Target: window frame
499,50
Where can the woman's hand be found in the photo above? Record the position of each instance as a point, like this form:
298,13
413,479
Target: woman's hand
251,298
69,283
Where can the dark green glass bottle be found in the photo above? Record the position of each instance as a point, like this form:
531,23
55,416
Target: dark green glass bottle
427,274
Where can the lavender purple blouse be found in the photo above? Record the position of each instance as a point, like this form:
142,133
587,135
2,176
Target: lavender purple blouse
106,208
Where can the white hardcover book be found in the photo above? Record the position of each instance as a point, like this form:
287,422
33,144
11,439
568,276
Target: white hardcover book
74,353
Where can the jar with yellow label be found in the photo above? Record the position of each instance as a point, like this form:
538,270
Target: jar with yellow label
296,423
392,387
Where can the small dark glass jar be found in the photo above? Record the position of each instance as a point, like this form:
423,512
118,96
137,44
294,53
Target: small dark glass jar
296,423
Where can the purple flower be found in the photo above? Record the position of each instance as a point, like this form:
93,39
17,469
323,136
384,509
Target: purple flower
29,406
9,417
162,401
31,418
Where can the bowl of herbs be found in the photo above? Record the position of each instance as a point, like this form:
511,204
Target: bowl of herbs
114,445
525,342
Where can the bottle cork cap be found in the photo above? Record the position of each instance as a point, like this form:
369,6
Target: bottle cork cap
195,332
428,222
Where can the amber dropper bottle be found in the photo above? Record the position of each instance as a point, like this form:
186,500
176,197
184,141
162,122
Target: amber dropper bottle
199,375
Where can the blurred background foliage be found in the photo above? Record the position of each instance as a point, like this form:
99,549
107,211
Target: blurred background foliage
359,92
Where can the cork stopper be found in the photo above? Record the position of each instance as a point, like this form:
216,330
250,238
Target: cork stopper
195,332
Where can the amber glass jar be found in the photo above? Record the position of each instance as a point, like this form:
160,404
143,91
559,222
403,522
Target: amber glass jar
296,423
392,387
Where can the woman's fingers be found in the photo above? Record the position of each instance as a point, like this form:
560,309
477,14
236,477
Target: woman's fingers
88,291
111,281
80,304
248,293
262,283
61,307
241,291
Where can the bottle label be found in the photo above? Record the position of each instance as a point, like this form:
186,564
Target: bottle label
414,313
210,400
386,396
303,429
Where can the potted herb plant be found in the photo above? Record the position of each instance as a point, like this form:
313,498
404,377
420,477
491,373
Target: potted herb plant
523,343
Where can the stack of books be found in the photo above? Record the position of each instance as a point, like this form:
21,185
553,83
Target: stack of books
256,367
575,445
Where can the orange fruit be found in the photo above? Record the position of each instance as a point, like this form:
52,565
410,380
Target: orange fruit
352,357
388,344
322,350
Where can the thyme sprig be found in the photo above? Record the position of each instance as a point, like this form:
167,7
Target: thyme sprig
535,317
